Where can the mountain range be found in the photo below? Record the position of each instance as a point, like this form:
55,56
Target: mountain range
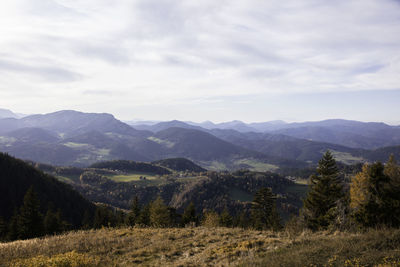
80,139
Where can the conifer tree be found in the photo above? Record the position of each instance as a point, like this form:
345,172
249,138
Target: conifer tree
3,229
30,223
159,213
226,219
374,200
263,210
53,223
326,189
144,218
12,233
392,170
189,215
87,222
241,220
134,213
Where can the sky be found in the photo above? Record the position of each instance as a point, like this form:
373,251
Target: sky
253,60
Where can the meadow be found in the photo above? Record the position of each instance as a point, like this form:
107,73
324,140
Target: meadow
202,246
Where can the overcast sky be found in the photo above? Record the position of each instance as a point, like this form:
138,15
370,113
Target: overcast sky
252,60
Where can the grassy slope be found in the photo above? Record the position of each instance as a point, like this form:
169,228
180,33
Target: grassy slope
204,247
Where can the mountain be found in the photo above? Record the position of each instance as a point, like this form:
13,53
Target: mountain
33,135
5,113
165,125
354,134
382,154
197,145
16,177
69,122
287,147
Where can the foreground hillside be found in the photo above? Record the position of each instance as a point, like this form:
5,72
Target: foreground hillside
204,247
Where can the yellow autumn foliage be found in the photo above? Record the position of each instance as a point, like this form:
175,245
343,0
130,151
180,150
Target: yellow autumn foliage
359,193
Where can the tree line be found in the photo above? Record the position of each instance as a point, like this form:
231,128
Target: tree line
370,199
28,222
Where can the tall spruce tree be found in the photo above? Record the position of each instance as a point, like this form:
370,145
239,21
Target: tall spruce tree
12,233
225,218
263,210
326,189
189,215
134,213
30,222
3,229
159,214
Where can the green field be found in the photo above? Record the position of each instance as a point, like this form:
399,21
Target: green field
256,165
134,177
346,158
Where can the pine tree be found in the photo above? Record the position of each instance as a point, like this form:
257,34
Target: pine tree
12,233
263,210
373,199
226,219
144,218
3,229
53,223
87,222
159,214
242,220
392,170
189,215
30,222
134,213
326,189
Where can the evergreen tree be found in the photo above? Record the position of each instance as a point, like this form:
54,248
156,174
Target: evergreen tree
392,170
189,215
159,213
226,219
134,213
144,218
53,223
103,217
87,222
263,210
242,220
3,229
30,223
373,198
326,189
12,233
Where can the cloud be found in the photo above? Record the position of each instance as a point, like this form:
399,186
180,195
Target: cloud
155,52
47,73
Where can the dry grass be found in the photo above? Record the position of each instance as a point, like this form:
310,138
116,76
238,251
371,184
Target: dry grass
203,247
146,246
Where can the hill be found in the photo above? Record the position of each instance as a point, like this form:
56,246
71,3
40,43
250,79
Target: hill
179,164
16,177
204,247
284,146
131,166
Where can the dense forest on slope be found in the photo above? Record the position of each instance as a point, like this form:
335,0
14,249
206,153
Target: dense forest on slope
179,164
131,166
16,177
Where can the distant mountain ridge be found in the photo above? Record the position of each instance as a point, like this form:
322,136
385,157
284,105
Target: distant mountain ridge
354,134
80,139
